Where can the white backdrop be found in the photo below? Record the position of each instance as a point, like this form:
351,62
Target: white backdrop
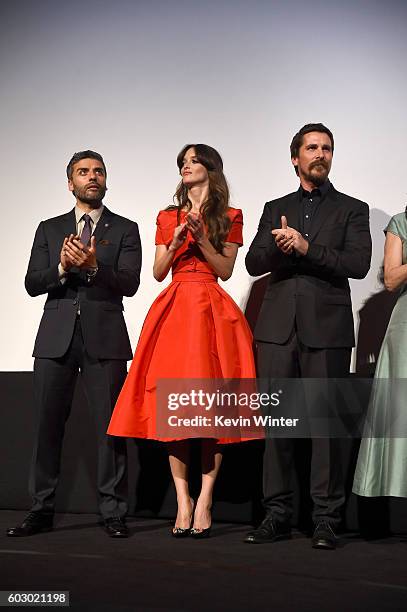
137,80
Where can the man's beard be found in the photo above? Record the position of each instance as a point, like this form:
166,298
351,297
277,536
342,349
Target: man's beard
92,198
317,178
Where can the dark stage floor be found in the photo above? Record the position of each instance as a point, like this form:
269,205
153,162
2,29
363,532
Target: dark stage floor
151,571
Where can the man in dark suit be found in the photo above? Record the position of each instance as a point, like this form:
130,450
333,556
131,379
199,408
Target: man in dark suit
86,261
310,241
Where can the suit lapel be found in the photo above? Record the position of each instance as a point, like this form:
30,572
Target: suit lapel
105,222
291,210
68,223
327,206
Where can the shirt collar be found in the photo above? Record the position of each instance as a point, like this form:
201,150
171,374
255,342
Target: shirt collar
94,214
322,189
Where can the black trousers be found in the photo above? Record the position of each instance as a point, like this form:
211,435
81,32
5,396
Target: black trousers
292,360
54,384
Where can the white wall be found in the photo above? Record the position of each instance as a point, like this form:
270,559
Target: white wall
137,80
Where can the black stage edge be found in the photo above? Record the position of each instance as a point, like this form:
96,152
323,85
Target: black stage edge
151,571
238,492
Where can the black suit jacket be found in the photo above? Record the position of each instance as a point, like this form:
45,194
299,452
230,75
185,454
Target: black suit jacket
118,252
313,290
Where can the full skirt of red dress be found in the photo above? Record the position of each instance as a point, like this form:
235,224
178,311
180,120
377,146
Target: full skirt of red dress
193,330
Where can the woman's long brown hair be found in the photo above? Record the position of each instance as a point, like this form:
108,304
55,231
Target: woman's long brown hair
214,209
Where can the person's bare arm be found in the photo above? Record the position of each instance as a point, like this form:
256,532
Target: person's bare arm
164,255
221,263
395,272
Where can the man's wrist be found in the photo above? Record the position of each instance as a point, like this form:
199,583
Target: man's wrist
92,271
304,248
62,272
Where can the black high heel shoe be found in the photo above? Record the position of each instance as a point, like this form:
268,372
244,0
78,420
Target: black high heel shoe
180,532
200,534
184,532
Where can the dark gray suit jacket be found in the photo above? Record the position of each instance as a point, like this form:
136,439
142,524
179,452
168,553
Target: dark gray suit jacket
118,252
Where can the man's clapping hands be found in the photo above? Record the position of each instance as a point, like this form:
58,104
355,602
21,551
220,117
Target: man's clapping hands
289,239
74,253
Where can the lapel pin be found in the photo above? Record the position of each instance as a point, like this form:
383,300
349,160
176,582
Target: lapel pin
106,225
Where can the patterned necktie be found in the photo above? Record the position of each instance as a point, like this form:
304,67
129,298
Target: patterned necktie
87,231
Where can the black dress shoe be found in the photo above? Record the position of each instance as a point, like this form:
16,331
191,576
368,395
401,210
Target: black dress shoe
116,527
270,530
34,522
324,536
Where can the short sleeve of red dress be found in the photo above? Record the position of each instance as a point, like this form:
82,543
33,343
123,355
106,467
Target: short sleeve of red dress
236,229
165,227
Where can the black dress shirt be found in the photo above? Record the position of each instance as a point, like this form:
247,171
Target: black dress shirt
310,201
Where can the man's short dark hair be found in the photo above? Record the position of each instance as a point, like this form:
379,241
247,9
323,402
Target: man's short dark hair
76,157
306,129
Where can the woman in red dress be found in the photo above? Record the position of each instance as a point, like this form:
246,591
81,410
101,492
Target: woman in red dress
193,329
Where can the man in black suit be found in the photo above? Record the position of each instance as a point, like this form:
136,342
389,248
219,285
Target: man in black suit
310,241
86,261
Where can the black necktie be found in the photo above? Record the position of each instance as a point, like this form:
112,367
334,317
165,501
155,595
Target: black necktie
87,231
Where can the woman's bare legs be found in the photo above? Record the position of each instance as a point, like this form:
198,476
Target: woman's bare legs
179,463
211,458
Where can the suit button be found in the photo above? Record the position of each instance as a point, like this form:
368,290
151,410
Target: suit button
75,301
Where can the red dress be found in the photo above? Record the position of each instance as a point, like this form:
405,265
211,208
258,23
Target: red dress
193,330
